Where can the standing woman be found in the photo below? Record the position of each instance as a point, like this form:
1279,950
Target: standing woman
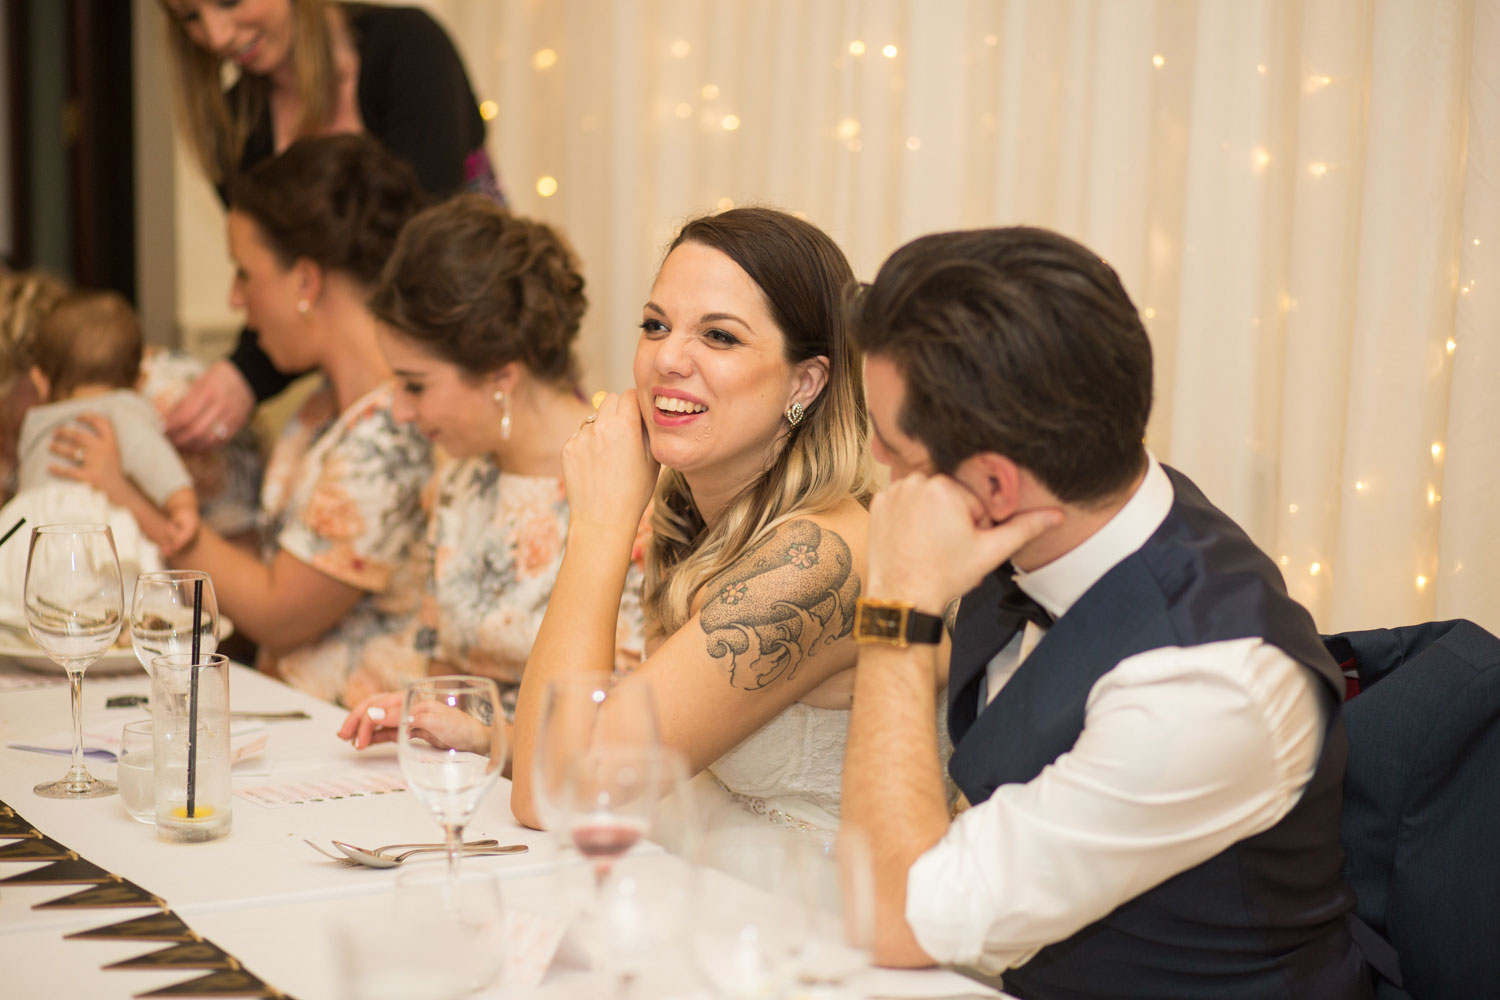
479,313
341,515
311,67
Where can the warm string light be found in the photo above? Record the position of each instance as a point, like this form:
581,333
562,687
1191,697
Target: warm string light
1317,169
724,204
1261,157
680,48
488,110
546,185
1148,313
1292,508
1437,451
856,48
913,143
710,91
889,51
544,59
1158,60
730,122
1359,485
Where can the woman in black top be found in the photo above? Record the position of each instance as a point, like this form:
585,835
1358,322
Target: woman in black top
311,67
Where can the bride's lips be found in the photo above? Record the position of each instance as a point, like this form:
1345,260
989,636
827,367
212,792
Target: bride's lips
674,408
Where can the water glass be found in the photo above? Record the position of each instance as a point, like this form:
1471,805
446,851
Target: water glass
161,614
134,774
190,745
435,938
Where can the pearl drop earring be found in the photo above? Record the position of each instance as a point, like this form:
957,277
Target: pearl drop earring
503,401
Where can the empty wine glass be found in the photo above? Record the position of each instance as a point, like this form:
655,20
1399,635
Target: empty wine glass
73,610
578,712
161,615
451,746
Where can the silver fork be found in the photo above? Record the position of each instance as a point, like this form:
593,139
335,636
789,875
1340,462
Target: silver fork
343,860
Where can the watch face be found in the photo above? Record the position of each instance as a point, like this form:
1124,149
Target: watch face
879,623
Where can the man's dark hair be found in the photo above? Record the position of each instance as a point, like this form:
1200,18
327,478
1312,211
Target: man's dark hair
1017,341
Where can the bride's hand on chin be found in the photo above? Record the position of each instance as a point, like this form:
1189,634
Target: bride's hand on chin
608,468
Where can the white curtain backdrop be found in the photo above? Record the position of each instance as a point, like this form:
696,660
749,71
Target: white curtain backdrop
1300,196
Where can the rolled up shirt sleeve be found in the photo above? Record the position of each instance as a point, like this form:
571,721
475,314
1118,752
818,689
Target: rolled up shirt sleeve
1184,752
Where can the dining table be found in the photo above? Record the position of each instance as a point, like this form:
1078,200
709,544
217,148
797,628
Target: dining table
85,888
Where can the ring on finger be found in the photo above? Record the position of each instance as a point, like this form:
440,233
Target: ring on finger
78,454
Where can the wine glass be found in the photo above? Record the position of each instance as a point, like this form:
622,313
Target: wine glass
617,795
74,608
578,712
161,615
451,745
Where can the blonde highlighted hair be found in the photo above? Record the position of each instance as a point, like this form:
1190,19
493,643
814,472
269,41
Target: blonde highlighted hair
26,297
219,120
823,461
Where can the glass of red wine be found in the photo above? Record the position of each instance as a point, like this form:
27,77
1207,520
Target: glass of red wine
611,791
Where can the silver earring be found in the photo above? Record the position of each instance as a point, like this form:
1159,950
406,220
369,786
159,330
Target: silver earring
794,414
503,401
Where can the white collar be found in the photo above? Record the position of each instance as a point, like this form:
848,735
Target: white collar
1057,585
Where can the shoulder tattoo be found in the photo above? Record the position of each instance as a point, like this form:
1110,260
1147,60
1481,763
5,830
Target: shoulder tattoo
786,600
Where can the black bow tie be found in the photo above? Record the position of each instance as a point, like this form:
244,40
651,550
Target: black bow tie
1017,607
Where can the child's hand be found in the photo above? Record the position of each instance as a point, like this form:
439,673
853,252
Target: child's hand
181,530
91,453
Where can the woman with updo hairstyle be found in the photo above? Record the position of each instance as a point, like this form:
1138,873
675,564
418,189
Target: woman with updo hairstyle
341,556
748,401
479,313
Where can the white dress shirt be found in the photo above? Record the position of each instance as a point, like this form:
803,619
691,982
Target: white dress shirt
1184,751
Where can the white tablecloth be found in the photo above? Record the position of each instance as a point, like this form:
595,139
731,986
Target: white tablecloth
261,894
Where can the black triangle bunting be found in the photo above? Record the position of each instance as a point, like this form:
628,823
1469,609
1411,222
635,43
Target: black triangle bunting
164,926
73,870
12,825
187,955
104,890
229,983
36,848
108,894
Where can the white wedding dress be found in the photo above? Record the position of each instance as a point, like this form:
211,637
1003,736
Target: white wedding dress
789,773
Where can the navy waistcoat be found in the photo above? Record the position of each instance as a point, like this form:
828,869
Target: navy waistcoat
1264,919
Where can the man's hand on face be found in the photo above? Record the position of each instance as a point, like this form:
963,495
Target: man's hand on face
931,541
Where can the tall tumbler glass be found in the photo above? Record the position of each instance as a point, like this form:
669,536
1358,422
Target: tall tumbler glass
190,762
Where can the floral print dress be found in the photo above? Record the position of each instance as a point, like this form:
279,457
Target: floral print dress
496,543
343,493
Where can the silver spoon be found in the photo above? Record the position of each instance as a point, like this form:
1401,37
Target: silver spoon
392,860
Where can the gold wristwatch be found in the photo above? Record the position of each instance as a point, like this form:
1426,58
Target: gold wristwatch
894,623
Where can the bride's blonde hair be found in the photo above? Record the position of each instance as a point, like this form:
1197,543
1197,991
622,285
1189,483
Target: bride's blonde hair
823,461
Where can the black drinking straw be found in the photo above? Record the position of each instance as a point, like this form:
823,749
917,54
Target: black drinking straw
13,529
192,775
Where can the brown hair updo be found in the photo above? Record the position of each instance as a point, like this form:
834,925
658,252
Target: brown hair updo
337,200
480,288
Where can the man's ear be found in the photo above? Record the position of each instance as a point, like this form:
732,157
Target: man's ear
996,480
810,377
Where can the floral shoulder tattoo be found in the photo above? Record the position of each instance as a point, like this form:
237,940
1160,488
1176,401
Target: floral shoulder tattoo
788,599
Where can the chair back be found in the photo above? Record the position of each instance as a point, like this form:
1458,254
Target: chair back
1421,815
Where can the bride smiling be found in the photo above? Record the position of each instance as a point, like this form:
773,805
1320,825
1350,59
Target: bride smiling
748,395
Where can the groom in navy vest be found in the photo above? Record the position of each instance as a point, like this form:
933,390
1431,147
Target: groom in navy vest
1145,726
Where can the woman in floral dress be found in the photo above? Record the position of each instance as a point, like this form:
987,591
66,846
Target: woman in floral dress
480,311
341,559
